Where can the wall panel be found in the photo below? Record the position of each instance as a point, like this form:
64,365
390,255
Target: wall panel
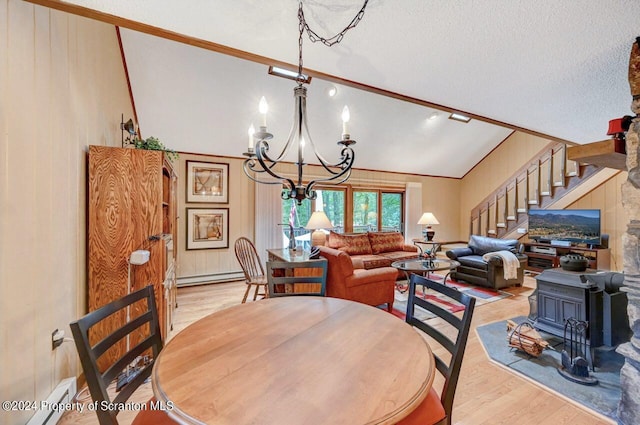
210,265
62,87
608,199
493,171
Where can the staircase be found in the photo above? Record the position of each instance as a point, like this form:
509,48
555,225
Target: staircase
547,179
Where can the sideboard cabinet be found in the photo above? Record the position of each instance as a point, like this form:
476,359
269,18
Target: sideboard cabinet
131,206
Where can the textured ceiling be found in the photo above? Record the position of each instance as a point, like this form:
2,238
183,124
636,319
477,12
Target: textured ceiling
558,68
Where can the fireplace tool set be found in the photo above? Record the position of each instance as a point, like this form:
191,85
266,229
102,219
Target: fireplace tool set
575,367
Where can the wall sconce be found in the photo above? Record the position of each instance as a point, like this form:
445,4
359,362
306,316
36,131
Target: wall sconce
130,128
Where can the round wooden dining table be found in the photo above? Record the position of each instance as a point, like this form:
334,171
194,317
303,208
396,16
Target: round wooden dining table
294,360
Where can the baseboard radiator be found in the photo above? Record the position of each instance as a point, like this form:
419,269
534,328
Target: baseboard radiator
51,410
210,278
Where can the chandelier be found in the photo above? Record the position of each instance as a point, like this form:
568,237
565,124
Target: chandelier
260,161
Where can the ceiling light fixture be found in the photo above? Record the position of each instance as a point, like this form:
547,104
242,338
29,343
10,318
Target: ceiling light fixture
291,75
332,91
259,161
433,115
459,117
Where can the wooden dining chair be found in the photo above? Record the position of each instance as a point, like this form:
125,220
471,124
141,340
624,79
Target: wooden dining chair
131,346
437,409
252,267
297,278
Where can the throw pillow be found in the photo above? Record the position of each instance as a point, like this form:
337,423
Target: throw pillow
386,242
351,244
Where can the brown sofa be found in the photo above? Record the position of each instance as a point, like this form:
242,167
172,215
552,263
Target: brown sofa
373,250
373,286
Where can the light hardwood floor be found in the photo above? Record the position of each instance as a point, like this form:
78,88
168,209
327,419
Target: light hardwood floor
486,393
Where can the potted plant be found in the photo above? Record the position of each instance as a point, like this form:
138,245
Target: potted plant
153,144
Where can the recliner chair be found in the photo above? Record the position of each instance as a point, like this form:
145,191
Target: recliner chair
474,269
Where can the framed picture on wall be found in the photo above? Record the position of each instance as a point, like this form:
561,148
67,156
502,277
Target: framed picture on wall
207,182
207,228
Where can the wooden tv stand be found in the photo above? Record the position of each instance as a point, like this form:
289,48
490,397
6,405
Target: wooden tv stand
539,261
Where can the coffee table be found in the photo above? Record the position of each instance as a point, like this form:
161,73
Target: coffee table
422,266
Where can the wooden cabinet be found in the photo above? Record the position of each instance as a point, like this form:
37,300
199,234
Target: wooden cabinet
131,206
545,256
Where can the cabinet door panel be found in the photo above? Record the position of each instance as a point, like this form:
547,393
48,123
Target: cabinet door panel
124,211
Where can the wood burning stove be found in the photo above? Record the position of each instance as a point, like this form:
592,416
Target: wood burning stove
563,295
591,296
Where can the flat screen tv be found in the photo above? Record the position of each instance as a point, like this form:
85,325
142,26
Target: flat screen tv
574,226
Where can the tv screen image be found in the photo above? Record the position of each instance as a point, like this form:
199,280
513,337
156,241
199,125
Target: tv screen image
575,226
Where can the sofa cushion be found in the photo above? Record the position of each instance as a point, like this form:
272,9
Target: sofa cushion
482,245
351,244
386,241
474,261
399,255
369,262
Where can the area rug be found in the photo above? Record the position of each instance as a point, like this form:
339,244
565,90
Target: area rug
602,398
482,296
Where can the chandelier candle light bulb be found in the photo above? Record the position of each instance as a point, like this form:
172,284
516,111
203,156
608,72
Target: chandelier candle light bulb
263,107
251,132
345,119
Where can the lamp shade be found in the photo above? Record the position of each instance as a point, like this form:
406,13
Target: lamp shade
318,220
428,219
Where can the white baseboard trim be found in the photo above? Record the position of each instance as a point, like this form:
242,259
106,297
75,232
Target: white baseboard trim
50,411
210,278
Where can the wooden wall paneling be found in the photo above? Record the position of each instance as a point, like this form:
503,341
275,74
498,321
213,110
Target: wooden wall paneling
495,169
5,312
607,198
46,224
19,234
61,84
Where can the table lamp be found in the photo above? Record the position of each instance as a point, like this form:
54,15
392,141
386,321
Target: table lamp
428,219
318,220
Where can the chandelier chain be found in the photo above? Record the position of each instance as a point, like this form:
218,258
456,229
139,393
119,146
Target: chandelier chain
314,37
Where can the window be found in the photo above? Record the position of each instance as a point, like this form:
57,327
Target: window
331,201
350,210
391,212
365,211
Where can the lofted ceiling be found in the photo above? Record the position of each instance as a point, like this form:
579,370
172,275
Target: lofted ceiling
548,67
